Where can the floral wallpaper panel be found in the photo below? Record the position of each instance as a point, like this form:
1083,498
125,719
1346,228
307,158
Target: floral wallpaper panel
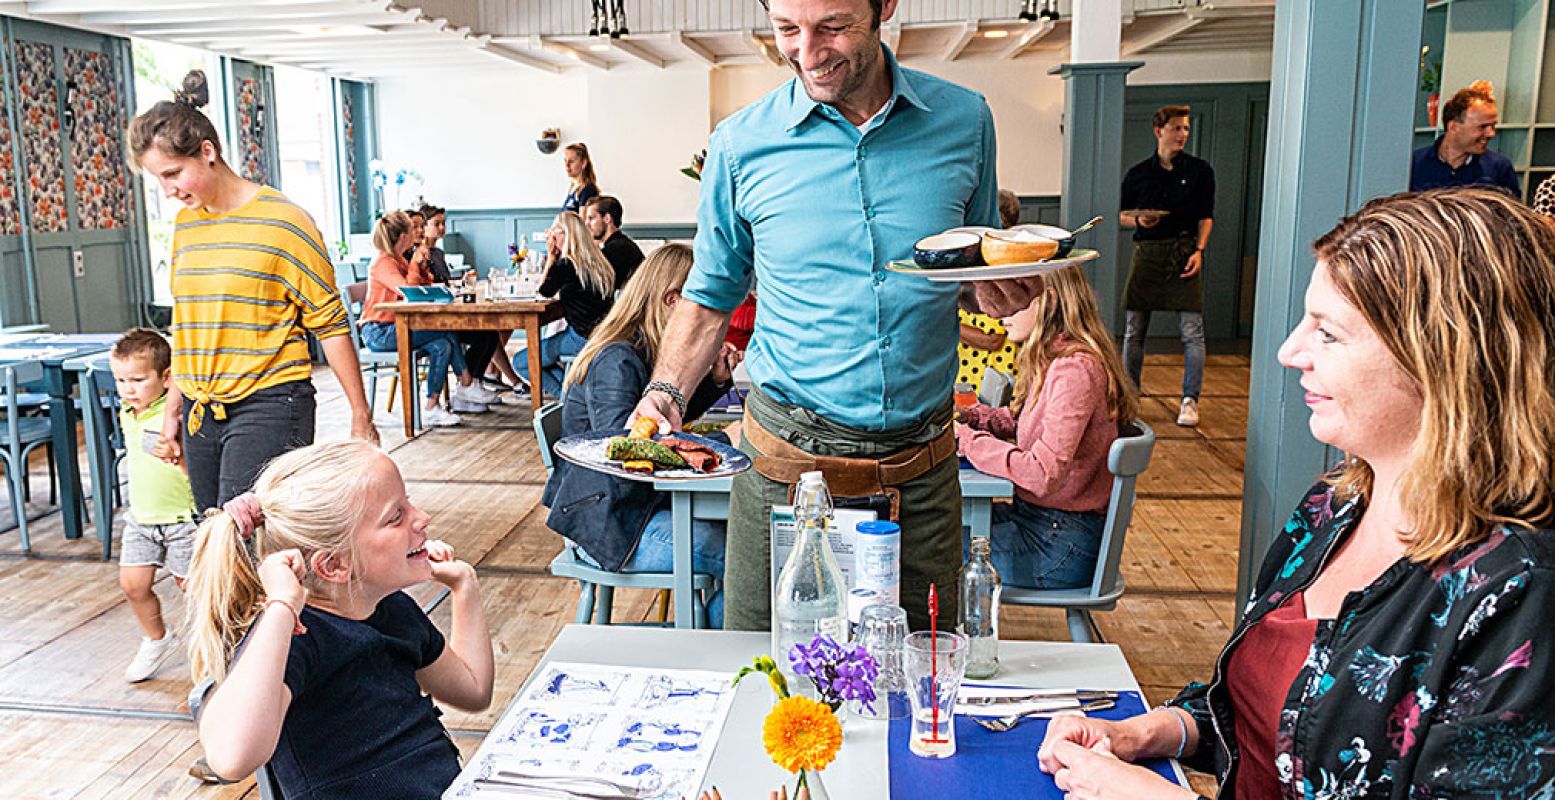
347,118
10,210
251,138
97,141
38,107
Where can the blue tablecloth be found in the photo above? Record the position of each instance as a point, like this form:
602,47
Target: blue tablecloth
988,764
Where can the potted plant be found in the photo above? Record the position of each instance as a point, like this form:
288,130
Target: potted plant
1430,83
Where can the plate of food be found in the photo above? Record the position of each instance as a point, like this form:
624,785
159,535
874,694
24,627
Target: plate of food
976,253
638,455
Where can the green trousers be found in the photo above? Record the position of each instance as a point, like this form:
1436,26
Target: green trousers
930,515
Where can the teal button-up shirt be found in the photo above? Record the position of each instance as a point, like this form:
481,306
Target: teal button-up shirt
816,207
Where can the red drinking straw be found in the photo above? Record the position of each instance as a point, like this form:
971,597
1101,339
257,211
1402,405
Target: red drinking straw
934,736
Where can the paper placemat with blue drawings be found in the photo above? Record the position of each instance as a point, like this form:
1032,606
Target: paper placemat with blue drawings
988,764
595,731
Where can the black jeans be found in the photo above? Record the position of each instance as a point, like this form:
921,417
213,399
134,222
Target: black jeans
479,346
226,456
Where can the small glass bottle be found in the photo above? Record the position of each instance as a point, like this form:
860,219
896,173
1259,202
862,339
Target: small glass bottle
811,594
980,590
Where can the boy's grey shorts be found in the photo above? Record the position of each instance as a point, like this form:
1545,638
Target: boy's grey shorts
157,545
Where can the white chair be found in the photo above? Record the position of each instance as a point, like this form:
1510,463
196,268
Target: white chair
1128,457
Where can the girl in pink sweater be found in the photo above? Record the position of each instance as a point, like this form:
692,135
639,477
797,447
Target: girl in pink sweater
1070,398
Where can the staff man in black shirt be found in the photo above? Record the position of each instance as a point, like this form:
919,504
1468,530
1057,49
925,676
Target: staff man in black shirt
1169,249
602,215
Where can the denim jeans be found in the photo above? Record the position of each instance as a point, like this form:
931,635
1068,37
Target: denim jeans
655,553
441,347
1190,326
1044,548
226,456
552,348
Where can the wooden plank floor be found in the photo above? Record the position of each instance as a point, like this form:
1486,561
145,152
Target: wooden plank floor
70,727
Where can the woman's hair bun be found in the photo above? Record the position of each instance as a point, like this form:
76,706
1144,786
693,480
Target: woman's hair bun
195,91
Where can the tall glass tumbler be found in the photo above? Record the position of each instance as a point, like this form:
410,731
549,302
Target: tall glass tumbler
935,664
882,629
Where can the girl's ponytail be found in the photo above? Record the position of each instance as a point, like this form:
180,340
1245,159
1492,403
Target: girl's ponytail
224,595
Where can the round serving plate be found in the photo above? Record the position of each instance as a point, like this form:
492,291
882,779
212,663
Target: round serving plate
993,273
587,450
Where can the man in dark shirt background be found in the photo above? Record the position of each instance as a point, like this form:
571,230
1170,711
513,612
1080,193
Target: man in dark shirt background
1461,156
1169,249
602,215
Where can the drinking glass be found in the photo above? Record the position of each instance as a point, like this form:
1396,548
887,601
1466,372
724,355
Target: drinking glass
881,630
935,664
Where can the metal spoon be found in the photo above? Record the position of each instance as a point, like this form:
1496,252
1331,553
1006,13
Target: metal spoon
1087,226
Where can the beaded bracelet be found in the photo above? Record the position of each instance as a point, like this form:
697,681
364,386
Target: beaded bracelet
670,389
297,629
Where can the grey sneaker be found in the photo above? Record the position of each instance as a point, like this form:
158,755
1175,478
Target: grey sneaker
150,656
460,405
1188,416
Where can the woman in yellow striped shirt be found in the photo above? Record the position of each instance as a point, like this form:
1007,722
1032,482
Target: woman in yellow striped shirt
250,278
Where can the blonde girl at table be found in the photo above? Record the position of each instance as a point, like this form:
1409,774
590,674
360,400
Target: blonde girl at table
392,236
578,274
622,525
251,278
324,668
1397,639
1071,396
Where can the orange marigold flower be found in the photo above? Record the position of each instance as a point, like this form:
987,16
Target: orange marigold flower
801,733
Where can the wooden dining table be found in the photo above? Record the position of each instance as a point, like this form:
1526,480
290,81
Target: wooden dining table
498,315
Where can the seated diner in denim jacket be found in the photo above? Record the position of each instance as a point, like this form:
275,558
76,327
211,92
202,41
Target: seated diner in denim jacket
1396,641
618,524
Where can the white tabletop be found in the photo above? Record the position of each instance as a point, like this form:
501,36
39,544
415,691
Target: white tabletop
741,768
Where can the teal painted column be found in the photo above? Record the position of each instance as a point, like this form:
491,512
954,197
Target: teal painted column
1341,106
1093,171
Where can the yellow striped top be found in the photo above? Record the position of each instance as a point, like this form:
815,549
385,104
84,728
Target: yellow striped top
246,284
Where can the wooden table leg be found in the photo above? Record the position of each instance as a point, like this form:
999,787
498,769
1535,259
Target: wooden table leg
532,342
407,374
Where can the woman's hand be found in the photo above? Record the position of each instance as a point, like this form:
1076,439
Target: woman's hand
446,569
173,451
724,363
1094,773
1086,732
281,576
555,239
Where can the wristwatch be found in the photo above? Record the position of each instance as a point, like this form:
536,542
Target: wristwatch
669,389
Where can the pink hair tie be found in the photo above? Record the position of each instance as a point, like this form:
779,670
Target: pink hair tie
246,513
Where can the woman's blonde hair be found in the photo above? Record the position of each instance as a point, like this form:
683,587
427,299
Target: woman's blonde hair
1459,285
585,175
389,229
640,314
588,261
312,501
1067,321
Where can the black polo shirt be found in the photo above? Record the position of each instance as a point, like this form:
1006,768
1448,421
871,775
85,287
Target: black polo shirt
1187,190
623,254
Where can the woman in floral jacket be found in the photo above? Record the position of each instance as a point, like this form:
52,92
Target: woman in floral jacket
1397,641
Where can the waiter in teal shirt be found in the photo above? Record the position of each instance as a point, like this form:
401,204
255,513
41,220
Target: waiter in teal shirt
812,190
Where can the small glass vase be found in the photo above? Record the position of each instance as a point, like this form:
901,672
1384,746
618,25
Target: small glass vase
811,779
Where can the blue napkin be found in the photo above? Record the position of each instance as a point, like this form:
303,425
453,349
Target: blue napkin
988,764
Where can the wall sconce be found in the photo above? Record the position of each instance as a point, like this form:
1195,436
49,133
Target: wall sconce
549,140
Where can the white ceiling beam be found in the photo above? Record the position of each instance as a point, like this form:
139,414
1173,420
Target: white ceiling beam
766,50
278,50
234,28
1030,34
637,50
575,51
496,50
959,39
1143,44
697,50
290,38
303,11
93,6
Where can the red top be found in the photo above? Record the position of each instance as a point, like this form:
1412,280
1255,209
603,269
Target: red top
742,323
1259,678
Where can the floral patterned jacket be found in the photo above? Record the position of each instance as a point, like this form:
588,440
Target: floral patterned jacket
1428,684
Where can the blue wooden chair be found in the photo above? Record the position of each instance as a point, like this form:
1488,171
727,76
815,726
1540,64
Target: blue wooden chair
19,436
105,449
596,587
375,364
269,786
1128,457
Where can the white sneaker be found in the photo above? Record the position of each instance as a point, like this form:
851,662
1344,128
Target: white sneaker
474,393
1188,417
151,654
513,399
459,405
436,417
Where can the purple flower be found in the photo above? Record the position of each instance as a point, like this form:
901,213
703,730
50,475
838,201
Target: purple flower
840,671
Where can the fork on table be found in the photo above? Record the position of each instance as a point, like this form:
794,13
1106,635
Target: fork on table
1002,724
